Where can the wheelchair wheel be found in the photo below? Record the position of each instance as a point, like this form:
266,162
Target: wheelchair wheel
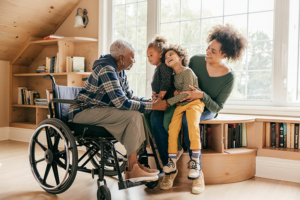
52,146
110,169
152,184
103,193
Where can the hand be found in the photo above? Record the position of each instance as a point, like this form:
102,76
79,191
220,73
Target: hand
176,92
154,96
160,104
192,95
162,94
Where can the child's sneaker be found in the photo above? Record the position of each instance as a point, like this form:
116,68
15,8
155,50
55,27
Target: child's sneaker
170,168
167,181
198,184
194,167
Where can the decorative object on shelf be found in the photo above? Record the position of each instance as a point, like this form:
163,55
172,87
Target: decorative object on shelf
81,21
51,37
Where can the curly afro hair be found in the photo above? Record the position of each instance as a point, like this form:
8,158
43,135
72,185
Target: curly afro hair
233,42
159,42
181,52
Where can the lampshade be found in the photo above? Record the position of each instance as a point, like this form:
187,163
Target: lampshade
78,21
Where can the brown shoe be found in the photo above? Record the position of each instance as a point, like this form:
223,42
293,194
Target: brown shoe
167,181
137,174
152,171
198,184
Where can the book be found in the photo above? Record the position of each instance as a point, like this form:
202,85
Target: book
49,37
225,136
232,131
78,64
244,135
273,139
276,135
281,135
237,135
288,135
284,135
268,134
208,137
296,136
20,95
69,64
202,134
292,136
49,94
229,136
205,136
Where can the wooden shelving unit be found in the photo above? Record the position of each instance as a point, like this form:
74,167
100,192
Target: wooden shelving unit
33,54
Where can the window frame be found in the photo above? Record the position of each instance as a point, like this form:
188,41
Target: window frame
279,63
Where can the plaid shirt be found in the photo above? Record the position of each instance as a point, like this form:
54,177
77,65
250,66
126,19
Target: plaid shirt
106,87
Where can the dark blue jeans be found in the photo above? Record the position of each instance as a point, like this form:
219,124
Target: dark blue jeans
161,135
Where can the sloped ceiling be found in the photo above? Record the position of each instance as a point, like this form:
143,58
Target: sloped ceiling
20,19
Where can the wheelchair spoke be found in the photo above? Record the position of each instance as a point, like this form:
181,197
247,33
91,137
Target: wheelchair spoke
49,142
55,172
37,161
56,141
63,165
46,173
42,146
63,151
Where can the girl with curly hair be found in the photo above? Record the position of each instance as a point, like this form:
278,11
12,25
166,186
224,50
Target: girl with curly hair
216,81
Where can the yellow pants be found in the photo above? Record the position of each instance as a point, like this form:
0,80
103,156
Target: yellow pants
193,111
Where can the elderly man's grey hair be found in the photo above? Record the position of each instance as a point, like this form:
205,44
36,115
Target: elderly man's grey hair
120,48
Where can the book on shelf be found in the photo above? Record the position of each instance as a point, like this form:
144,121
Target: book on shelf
284,135
273,139
52,64
288,135
41,69
27,96
41,102
75,64
277,135
208,137
226,136
49,93
268,134
229,137
281,140
244,135
50,37
296,145
292,136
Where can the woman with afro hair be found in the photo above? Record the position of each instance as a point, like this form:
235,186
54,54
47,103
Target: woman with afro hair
216,81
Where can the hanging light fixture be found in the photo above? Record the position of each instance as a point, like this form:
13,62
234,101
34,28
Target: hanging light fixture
81,21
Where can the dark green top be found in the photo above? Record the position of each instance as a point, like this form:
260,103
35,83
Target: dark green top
216,89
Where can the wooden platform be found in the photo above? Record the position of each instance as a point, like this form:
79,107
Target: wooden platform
233,165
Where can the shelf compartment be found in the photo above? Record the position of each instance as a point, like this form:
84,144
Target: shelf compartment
28,125
24,114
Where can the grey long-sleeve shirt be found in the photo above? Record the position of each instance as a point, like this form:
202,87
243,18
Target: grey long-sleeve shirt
181,82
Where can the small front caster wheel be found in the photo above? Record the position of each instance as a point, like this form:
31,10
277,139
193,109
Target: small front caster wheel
103,193
152,184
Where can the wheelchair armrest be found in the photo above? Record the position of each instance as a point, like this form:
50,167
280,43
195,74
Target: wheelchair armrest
65,101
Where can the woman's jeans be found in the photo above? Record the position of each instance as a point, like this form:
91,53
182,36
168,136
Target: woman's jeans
161,135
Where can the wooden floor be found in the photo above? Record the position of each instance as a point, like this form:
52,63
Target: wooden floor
17,182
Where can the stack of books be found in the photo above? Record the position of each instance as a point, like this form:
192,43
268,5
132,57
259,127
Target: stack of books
52,64
27,96
282,135
205,136
235,136
41,102
75,64
41,69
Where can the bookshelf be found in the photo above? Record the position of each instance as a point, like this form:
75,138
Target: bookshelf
32,54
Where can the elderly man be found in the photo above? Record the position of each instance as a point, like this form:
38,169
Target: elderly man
108,102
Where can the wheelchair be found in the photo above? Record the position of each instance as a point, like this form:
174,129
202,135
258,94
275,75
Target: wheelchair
63,138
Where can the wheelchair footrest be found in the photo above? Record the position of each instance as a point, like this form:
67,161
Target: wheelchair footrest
129,184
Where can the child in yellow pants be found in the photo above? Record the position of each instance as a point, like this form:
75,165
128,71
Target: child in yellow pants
176,57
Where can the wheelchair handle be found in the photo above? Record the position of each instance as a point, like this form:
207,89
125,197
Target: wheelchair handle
49,76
